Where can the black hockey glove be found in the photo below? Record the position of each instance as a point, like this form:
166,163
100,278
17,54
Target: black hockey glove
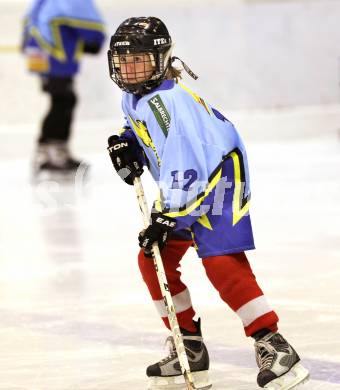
92,47
124,158
158,231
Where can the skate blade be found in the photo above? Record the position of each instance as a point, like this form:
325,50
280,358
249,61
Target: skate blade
201,380
297,375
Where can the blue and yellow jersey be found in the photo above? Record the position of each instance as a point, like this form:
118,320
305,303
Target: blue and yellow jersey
56,33
198,160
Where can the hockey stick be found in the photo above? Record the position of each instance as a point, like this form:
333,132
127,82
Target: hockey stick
163,283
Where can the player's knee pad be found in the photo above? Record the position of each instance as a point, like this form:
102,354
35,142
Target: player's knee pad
233,278
227,269
171,256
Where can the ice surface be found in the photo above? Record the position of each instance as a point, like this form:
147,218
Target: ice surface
75,314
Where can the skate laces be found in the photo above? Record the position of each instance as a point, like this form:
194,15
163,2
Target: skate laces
265,354
170,345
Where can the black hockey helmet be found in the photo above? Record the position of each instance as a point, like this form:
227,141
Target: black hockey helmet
144,35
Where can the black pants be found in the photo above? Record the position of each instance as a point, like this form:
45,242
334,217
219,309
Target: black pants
56,125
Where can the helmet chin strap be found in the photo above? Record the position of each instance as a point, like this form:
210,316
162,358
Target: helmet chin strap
186,67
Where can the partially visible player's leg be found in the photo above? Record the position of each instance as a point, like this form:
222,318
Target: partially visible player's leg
53,152
278,362
171,255
166,373
233,278
56,125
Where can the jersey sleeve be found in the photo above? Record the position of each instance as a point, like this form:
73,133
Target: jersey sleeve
89,24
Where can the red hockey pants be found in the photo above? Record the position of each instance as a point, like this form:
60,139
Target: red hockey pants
230,274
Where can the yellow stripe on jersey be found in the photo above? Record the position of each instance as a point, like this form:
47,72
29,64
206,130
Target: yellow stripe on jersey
182,212
197,98
57,49
239,210
122,130
193,240
79,50
240,204
204,221
143,133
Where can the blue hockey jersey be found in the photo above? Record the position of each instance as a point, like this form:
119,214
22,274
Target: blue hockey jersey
199,162
56,32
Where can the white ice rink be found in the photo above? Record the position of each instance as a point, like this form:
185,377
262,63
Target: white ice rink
74,313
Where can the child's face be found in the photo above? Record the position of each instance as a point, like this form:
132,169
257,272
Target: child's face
135,68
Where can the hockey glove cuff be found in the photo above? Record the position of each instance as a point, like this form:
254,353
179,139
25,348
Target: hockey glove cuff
158,231
123,154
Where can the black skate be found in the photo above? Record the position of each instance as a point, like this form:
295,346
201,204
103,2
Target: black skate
53,161
278,363
167,375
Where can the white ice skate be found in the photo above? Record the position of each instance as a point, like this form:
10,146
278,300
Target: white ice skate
279,364
54,161
166,374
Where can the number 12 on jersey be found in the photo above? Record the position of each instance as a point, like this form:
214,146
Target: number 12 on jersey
183,180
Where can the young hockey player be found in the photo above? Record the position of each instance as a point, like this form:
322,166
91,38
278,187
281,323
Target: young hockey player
200,164
56,34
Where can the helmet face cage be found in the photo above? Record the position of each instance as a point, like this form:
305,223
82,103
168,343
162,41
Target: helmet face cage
139,54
